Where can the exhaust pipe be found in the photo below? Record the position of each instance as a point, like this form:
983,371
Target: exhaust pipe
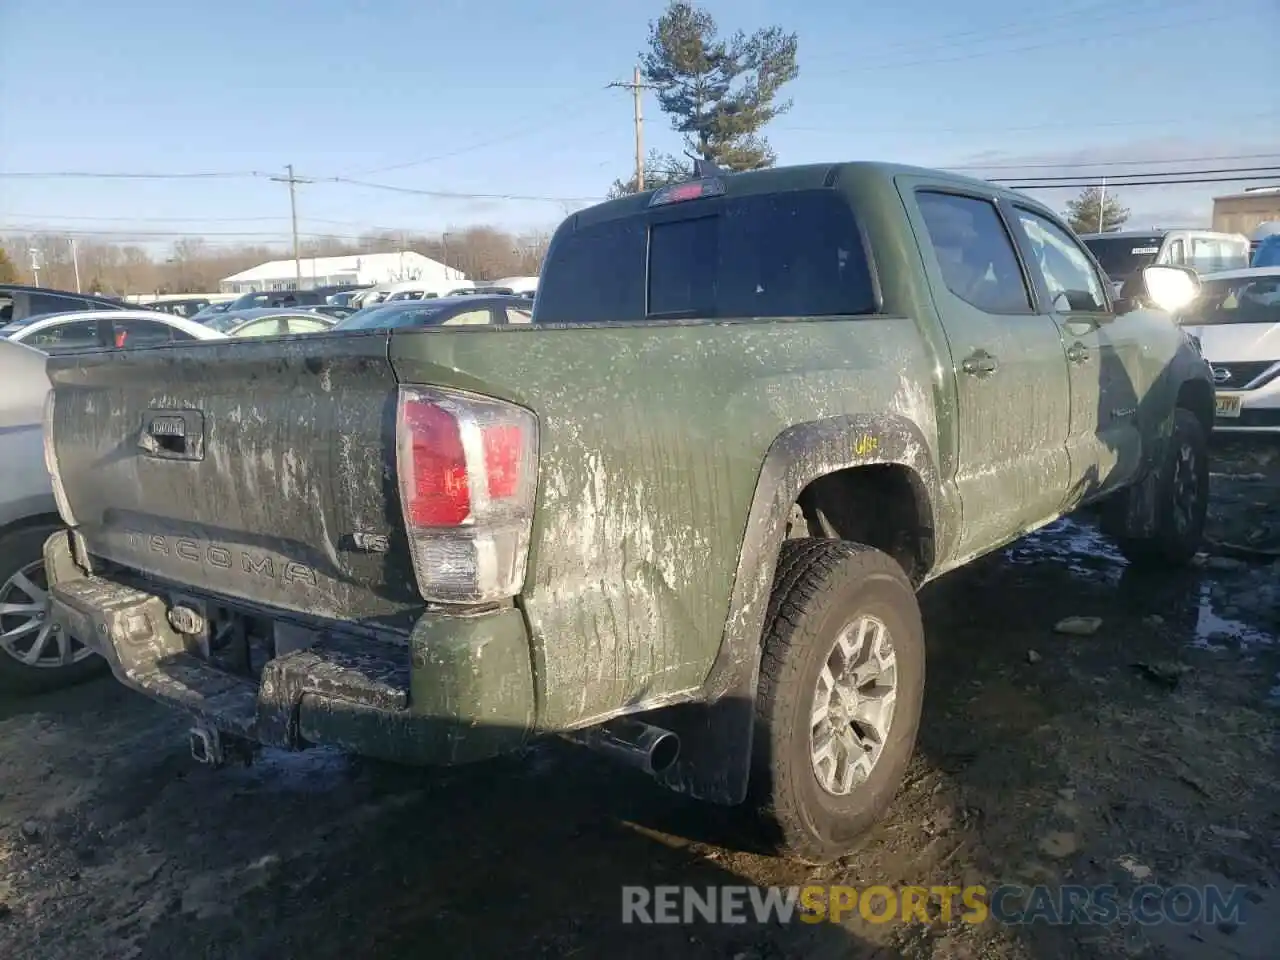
633,743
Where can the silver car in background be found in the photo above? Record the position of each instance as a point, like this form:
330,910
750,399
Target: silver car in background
34,656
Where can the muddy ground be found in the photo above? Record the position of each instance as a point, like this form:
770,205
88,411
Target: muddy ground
1145,752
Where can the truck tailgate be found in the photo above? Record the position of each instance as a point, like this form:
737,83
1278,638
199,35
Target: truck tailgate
258,470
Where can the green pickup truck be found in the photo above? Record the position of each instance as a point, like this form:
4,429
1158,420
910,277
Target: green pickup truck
680,518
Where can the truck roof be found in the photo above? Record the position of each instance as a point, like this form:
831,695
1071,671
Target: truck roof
804,176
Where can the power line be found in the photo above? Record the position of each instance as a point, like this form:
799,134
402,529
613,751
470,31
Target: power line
441,194
1081,184
1261,173
481,145
1092,124
1031,26
102,175
186,220
282,235
1111,163
255,219
455,195
1091,40
1167,177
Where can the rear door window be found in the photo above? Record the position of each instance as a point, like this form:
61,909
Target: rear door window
141,333
72,335
791,254
974,252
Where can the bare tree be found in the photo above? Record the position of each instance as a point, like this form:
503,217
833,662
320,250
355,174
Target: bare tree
194,265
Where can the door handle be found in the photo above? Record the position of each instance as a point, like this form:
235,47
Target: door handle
979,364
1077,352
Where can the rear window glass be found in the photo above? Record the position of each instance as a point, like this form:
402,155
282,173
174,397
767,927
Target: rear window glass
386,318
788,254
1121,257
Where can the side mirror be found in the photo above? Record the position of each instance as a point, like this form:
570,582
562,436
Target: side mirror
1170,288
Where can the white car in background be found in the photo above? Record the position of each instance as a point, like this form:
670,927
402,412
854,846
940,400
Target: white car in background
105,330
1236,318
34,656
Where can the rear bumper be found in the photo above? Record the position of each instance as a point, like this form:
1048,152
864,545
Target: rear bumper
460,689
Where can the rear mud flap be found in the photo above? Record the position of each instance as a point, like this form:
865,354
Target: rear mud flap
1134,512
715,749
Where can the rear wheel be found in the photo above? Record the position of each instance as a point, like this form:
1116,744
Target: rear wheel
841,689
34,655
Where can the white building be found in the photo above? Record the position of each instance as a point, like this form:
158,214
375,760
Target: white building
364,268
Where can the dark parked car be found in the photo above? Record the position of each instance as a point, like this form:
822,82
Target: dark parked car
456,311
19,302
277,298
188,307
282,323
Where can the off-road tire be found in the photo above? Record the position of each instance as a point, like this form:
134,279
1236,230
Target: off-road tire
18,548
820,586
1170,546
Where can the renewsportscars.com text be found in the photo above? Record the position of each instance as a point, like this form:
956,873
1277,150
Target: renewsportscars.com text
1007,904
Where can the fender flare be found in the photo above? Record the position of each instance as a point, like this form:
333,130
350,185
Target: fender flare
716,730
798,456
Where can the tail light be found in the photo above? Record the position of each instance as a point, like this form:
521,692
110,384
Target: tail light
467,470
51,463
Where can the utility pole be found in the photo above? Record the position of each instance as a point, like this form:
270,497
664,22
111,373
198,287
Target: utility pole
1102,202
637,88
35,265
75,262
291,180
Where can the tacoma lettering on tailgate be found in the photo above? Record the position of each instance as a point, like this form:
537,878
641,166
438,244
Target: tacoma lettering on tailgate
215,555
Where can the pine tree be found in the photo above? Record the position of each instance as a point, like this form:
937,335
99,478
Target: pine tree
1092,207
719,93
660,169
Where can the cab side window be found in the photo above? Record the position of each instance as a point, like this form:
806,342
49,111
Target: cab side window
1073,284
974,251
1177,253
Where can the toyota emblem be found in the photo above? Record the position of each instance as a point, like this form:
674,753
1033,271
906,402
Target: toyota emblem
1221,374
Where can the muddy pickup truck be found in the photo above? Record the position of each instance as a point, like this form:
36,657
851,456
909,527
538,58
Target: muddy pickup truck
679,518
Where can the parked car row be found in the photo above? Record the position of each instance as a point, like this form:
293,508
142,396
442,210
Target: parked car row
1123,254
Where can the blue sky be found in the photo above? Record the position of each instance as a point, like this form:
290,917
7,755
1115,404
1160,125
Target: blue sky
509,98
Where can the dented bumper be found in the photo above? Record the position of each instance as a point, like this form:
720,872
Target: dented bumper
460,689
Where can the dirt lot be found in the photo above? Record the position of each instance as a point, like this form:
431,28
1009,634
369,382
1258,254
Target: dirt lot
1145,752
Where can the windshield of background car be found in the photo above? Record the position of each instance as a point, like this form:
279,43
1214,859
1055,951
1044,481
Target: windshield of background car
1120,257
791,254
1242,300
402,314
